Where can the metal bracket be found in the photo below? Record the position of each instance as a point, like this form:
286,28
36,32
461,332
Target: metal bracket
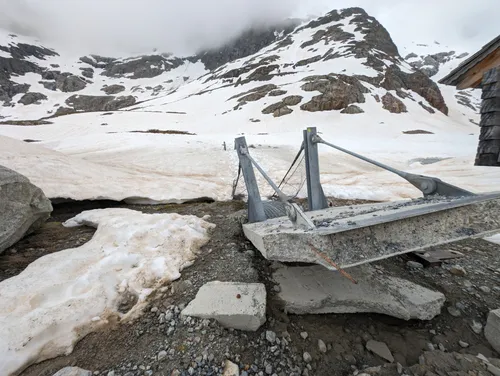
294,213
428,185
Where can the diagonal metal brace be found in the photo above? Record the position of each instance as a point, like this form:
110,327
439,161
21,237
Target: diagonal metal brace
293,211
428,185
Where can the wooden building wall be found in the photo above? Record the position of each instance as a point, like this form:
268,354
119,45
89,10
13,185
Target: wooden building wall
488,152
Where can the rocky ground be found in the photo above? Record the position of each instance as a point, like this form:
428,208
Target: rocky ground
162,343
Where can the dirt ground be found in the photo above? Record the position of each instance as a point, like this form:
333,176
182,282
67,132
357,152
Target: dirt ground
131,349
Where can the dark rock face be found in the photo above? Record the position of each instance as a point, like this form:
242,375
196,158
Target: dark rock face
426,108
99,103
337,92
393,104
32,98
247,44
430,64
281,108
97,61
277,93
255,93
49,85
417,82
352,109
143,67
70,83
113,89
87,72
292,100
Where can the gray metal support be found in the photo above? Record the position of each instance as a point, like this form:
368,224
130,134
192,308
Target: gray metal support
315,197
255,206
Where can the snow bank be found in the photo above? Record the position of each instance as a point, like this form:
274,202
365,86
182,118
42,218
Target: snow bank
63,296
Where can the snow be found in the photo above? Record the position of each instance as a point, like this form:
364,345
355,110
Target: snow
494,239
61,297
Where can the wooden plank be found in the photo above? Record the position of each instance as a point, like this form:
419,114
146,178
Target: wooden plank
490,105
491,92
491,76
473,77
490,133
490,119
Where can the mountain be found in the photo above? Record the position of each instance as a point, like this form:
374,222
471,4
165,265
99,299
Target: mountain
151,119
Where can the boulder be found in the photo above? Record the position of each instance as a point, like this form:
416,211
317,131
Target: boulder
23,207
393,104
49,85
492,329
89,103
292,100
70,83
233,304
113,89
32,98
72,371
285,110
352,109
277,93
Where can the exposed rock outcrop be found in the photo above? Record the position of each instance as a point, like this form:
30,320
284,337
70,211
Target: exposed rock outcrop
32,98
23,207
352,109
393,104
99,103
113,89
70,83
142,67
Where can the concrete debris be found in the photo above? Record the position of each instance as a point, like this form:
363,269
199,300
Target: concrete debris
458,270
492,329
72,371
380,349
315,289
234,305
322,346
231,369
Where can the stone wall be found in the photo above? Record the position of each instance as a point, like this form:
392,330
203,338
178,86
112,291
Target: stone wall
488,152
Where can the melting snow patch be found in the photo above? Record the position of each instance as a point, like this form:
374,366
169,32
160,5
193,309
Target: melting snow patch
55,301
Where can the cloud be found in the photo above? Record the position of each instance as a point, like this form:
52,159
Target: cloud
184,26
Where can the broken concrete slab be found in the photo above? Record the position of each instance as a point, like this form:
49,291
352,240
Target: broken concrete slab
233,304
361,234
492,329
315,289
380,349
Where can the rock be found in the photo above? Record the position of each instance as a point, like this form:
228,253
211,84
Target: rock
277,93
414,265
72,371
307,357
32,98
161,355
315,289
23,207
463,344
476,327
322,346
304,335
492,329
233,304
454,311
113,89
99,103
269,369
399,367
87,72
270,336
426,108
393,104
458,270
282,111
70,83
49,85
380,349
352,109
485,289
230,369
292,100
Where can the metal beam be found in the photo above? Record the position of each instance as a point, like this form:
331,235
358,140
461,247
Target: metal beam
255,206
315,197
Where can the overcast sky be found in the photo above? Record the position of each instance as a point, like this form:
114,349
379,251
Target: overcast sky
182,26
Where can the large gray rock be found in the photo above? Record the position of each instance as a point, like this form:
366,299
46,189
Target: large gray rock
70,83
99,102
23,207
72,371
233,304
492,329
32,98
315,289
113,89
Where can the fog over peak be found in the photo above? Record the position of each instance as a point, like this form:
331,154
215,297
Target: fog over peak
119,27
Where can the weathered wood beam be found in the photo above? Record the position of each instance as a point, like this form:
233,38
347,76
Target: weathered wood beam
473,77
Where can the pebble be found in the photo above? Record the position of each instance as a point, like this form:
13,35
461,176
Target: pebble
441,347
467,283
454,311
277,288
458,270
414,265
161,355
322,346
485,289
463,344
432,331
111,373
307,357
269,369
154,309
400,368
430,346
476,327
304,335
270,336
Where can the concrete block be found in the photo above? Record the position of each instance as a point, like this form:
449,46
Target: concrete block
492,329
233,304
315,289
